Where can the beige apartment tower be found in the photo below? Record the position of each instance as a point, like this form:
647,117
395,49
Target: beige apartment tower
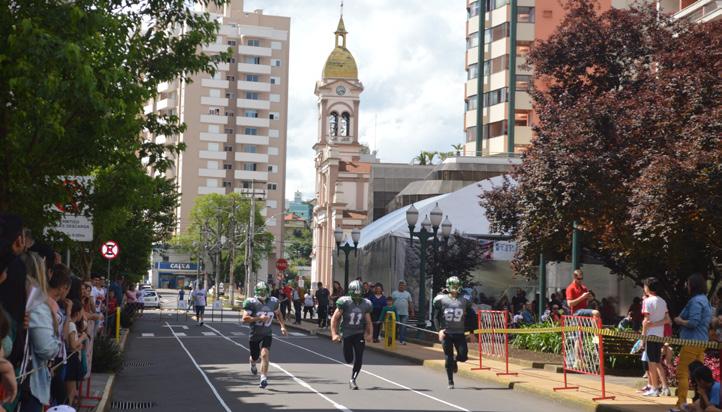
236,119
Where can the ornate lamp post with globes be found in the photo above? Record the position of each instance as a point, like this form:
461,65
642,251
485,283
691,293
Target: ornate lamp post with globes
429,230
346,249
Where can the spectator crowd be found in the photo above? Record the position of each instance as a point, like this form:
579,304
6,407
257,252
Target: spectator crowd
49,319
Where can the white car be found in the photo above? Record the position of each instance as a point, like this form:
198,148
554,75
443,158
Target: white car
151,299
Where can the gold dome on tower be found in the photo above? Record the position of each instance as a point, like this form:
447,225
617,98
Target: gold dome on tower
340,63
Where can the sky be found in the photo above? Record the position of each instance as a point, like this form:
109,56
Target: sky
410,57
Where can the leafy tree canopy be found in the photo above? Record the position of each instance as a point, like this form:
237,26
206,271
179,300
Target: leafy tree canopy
628,144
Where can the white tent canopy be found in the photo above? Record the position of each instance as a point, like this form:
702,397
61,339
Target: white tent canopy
462,207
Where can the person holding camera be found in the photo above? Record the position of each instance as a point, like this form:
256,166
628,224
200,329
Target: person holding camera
578,296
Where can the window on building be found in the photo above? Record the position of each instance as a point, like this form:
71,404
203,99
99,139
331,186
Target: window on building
472,41
226,184
495,129
251,113
471,134
473,71
522,118
345,124
525,14
274,115
227,166
275,80
232,60
253,43
230,131
249,148
495,97
523,82
214,111
249,167
230,113
230,95
473,9
251,77
253,60
471,103
251,131
228,148
271,186
251,95
496,33
333,124
231,42
523,48
245,184
231,78
276,62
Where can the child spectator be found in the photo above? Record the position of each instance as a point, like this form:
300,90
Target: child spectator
308,304
708,390
386,309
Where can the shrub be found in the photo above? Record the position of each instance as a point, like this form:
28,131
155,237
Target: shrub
107,356
539,342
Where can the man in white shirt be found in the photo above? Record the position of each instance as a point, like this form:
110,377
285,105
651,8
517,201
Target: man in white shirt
654,310
404,308
199,301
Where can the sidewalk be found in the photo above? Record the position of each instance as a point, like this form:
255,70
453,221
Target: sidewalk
540,382
101,385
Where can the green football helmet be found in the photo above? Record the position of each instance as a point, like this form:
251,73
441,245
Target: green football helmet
262,290
355,289
453,284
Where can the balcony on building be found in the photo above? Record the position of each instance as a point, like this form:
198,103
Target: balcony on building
258,192
148,108
252,139
252,121
214,119
212,155
212,173
215,83
254,68
251,157
255,51
251,175
214,101
223,66
216,48
165,104
214,137
254,86
205,190
166,86
699,11
253,104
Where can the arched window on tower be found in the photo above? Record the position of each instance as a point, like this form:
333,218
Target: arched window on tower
345,124
333,124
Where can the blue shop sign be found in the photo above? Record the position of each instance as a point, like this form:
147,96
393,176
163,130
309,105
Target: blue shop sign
178,266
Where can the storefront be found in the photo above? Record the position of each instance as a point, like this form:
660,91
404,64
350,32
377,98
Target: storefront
175,275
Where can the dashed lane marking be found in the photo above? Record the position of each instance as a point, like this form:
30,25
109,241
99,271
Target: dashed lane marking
147,335
208,333
290,375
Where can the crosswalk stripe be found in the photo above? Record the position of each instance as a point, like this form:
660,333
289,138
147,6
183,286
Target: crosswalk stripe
209,333
180,334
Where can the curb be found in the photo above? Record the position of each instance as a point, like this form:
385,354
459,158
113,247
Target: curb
104,403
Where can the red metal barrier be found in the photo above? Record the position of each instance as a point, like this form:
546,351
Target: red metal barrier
582,351
496,343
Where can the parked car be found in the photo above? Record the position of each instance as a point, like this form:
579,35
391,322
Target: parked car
151,299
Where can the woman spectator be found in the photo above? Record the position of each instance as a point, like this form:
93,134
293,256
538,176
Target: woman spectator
378,300
336,293
694,325
44,343
58,288
74,341
636,310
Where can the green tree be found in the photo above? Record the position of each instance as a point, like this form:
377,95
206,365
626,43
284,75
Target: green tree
457,257
298,248
74,77
224,219
628,144
424,158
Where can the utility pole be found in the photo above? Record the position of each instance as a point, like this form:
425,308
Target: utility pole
218,256
249,239
232,237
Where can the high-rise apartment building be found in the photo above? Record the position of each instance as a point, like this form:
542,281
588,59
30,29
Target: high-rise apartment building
696,11
236,119
504,110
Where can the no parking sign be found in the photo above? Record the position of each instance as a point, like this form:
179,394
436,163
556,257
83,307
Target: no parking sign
110,250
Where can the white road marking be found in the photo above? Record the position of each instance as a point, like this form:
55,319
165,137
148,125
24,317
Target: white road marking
179,326
237,333
147,335
177,333
208,333
289,374
296,334
205,377
461,408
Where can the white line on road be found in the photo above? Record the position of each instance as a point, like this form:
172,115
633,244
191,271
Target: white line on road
461,408
208,333
290,375
147,335
205,377
177,333
237,333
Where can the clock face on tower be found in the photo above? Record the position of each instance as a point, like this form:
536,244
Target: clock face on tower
340,90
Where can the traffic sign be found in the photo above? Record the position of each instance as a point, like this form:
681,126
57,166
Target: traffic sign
281,264
110,250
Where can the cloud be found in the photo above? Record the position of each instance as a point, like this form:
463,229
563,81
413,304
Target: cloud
410,55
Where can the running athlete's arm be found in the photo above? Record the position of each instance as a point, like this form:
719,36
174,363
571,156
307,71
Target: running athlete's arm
335,320
281,322
439,319
368,333
248,314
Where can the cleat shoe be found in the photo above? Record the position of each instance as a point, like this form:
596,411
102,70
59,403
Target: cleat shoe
254,370
263,384
451,385
352,384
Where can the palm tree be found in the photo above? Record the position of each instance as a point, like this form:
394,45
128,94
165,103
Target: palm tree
424,158
458,148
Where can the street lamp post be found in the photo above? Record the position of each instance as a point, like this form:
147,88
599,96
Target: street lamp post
346,248
429,230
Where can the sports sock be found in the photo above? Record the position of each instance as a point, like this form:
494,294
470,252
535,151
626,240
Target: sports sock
263,377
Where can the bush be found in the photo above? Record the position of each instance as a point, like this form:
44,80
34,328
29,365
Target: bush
107,356
539,342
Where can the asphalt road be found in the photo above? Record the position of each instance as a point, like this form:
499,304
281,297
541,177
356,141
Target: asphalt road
176,365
